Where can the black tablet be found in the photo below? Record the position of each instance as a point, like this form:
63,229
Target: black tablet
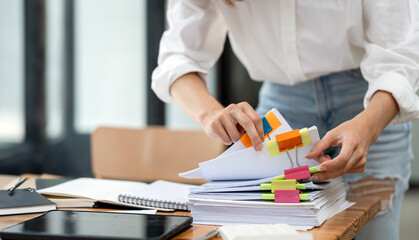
62,224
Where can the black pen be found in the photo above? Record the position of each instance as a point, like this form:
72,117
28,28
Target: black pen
12,189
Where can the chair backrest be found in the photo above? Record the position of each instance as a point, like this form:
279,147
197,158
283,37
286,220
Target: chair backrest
150,154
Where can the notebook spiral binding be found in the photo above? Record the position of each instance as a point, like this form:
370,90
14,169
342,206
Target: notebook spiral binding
150,202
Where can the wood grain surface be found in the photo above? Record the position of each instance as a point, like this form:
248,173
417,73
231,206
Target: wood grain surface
344,225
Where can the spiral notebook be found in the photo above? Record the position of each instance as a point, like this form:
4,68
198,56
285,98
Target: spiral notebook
159,194
163,195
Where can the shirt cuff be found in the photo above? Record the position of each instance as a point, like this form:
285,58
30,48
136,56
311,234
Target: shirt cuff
165,75
402,92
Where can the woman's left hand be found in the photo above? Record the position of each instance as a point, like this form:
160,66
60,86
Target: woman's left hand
355,136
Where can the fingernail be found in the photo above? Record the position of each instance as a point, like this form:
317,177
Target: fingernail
314,178
322,168
259,147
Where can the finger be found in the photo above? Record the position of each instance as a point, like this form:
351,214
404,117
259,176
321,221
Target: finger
249,127
230,128
324,158
322,145
324,176
218,130
358,162
339,165
340,162
257,120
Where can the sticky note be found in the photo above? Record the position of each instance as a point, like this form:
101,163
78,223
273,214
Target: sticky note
289,184
273,121
266,127
272,147
305,136
245,139
268,196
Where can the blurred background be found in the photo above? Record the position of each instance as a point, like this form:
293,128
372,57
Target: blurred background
67,67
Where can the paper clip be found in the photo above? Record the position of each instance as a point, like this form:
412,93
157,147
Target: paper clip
289,158
297,173
292,140
287,196
312,171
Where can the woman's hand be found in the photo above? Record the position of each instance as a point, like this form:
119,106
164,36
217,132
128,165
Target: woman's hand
228,124
355,136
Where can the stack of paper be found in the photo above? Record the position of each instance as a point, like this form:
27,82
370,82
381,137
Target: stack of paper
230,197
210,205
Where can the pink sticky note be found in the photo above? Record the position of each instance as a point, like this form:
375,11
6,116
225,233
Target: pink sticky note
287,196
297,173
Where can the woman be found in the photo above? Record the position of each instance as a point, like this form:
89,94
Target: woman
308,54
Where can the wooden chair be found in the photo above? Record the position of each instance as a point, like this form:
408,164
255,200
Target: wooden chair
150,154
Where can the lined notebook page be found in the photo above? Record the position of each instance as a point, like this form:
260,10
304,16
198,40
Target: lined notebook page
160,194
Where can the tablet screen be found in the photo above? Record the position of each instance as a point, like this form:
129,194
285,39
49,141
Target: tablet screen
98,225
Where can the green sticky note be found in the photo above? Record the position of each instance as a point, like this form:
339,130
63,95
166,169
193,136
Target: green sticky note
268,196
281,177
304,196
265,186
314,169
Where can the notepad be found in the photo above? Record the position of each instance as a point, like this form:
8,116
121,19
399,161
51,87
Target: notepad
159,194
24,201
163,195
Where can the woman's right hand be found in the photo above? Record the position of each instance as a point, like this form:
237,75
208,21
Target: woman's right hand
229,124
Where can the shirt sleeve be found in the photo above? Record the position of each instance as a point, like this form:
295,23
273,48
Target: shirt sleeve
391,62
193,43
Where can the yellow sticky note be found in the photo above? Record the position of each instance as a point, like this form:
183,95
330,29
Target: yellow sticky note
272,147
305,136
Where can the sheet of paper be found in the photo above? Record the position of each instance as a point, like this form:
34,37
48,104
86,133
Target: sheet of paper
238,146
97,189
285,127
249,164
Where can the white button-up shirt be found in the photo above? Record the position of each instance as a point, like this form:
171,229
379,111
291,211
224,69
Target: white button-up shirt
291,41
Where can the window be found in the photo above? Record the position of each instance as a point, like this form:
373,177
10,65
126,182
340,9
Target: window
55,68
110,77
12,119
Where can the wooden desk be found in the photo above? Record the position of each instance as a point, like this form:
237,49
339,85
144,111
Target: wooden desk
344,225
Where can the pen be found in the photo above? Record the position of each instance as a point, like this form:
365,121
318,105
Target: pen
12,189
214,232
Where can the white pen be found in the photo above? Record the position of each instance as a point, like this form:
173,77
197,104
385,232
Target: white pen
214,232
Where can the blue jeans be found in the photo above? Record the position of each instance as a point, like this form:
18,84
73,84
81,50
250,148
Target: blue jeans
331,100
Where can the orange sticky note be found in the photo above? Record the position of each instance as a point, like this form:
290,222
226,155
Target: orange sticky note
246,140
273,121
